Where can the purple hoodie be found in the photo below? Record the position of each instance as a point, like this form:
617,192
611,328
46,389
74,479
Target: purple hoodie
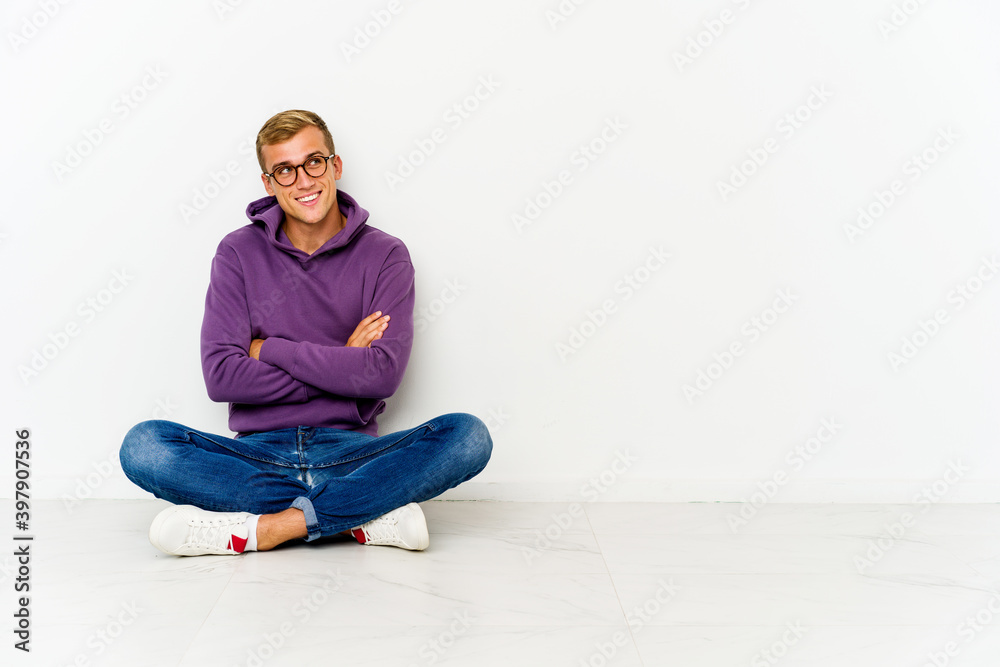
305,307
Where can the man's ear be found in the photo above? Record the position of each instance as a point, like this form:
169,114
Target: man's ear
267,184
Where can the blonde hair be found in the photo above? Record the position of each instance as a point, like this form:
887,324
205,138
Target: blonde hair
283,126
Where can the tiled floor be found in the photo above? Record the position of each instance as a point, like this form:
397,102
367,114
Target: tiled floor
529,584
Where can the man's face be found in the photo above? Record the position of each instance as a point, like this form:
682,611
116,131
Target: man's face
309,200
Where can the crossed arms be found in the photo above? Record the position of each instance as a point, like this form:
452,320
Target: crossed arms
369,329
241,369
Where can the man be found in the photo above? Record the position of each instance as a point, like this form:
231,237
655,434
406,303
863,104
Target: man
308,328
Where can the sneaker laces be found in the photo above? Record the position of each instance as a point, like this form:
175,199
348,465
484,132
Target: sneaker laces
384,528
216,533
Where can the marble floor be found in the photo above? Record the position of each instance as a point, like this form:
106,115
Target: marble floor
528,584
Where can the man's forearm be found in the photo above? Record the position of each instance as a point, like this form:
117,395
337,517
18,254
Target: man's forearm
236,378
369,372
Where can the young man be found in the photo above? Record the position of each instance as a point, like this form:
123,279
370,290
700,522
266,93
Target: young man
308,328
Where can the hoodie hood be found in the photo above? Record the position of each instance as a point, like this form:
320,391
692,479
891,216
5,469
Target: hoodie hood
267,213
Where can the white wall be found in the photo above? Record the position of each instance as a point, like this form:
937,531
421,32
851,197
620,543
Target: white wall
881,94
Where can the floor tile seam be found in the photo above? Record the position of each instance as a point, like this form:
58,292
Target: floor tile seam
811,626
878,576
914,537
512,530
614,586
196,632
825,573
605,626
446,568
500,627
555,626
770,573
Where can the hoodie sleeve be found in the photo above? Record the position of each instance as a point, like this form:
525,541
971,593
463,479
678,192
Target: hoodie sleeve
231,374
358,372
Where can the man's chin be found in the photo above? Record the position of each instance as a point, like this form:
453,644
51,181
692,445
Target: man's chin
308,218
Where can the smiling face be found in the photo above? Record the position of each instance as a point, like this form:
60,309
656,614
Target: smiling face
310,204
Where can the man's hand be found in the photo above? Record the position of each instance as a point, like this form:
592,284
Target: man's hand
368,330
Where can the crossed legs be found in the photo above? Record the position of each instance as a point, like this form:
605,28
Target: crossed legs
306,482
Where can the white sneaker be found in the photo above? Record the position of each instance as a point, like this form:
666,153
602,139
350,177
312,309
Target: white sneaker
404,527
185,530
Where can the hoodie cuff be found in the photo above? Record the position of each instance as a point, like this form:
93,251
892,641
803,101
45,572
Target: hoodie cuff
279,352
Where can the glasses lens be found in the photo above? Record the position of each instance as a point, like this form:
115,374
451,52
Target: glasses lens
315,166
285,175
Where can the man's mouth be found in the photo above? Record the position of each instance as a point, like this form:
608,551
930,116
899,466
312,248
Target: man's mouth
308,199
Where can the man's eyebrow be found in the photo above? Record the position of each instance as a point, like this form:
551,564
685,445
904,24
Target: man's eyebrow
286,162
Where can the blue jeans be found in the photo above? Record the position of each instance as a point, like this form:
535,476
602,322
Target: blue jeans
339,479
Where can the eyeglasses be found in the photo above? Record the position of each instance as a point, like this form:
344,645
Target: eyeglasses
286,175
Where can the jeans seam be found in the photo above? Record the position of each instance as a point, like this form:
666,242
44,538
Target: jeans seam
282,464
369,454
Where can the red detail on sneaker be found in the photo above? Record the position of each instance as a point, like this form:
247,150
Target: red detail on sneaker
359,535
237,544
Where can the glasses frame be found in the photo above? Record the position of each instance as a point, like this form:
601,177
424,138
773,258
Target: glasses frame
326,165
